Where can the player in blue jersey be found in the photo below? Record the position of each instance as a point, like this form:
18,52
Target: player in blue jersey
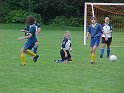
38,29
31,40
107,28
95,31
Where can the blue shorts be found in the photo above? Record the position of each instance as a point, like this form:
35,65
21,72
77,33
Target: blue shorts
29,44
94,41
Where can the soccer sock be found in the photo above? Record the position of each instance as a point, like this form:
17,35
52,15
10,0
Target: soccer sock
35,49
30,53
92,58
108,52
101,51
23,58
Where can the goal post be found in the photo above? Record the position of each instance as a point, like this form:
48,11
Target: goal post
101,10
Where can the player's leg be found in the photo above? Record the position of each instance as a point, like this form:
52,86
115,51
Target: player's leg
102,47
23,62
93,49
35,47
94,46
28,47
69,56
108,46
62,54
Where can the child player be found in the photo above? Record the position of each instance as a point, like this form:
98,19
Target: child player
65,48
107,28
38,29
95,31
31,40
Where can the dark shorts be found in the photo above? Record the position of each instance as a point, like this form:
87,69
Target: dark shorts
108,42
29,45
94,41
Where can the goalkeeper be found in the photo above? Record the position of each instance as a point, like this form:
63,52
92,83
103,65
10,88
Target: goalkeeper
65,48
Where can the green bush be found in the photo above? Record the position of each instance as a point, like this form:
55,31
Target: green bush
64,21
19,16
60,20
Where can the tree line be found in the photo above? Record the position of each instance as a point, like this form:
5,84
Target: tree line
60,12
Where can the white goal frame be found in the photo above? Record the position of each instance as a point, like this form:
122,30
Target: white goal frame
85,14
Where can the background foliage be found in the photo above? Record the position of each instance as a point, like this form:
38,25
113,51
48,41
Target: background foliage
61,12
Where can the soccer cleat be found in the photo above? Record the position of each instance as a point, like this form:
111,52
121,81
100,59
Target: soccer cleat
58,61
22,64
93,62
101,56
35,58
69,59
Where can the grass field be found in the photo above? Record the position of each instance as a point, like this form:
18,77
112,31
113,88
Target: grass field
45,76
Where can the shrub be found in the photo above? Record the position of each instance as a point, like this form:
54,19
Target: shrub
64,21
19,16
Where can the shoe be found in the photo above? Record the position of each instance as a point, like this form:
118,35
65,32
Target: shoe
69,59
35,58
58,61
22,64
101,56
93,62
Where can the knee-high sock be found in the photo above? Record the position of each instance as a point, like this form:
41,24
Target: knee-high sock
93,58
108,52
30,53
35,49
101,51
23,58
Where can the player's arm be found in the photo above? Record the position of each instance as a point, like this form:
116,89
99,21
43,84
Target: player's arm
38,31
105,35
63,47
23,30
26,37
109,32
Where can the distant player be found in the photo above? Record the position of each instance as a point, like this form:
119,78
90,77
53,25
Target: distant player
95,31
107,28
65,48
31,40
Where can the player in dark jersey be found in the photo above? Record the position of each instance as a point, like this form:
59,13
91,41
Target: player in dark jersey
31,39
65,49
107,28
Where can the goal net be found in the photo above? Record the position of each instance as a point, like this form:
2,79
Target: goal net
115,11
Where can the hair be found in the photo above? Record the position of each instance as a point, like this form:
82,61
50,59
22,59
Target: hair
30,20
106,17
93,18
67,31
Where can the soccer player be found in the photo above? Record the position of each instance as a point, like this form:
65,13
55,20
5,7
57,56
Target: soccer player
38,29
95,31
107,28
65,48
31,40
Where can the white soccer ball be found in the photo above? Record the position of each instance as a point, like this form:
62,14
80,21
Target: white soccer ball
113,58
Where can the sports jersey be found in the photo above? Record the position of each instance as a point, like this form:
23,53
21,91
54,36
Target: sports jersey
66,43
95,31
31,41
107,28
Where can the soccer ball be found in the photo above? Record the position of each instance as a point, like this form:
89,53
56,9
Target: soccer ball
113,58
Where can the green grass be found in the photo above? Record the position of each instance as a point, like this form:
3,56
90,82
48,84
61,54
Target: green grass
45,76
